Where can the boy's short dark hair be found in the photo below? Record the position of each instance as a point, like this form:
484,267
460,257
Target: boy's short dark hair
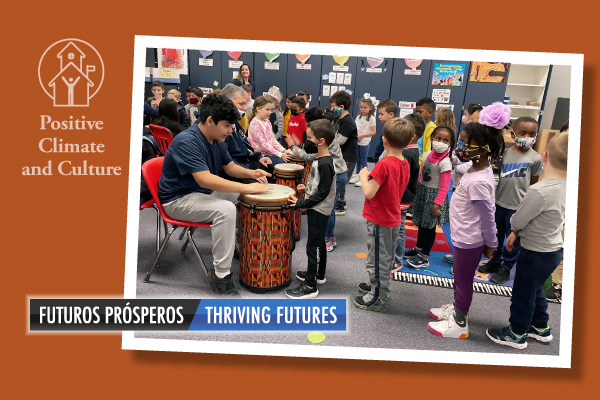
398,132
557,150
317,112
427,103
322,129
247,87
341,98
197,91
303,93
219,107
418,122
521,120
157,83
300,101
388,105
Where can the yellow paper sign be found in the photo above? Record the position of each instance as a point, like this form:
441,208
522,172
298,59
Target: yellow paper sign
341,60
166,73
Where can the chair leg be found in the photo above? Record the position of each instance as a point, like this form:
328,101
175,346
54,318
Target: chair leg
183,233
162,247
158,219
189,235
191,232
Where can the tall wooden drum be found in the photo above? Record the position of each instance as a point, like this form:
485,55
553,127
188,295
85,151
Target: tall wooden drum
305,164
291,175
266,239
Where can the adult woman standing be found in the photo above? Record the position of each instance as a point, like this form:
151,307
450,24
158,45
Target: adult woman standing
244,77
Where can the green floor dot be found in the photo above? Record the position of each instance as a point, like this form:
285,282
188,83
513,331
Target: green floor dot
316,337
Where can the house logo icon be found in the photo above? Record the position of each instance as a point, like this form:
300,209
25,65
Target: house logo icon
71,72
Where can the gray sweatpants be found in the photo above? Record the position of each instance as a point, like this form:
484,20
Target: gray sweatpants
217,208
381,246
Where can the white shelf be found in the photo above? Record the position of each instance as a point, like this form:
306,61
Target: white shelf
518,106
525,84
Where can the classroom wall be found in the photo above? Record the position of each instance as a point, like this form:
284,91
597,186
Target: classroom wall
560,86
391,82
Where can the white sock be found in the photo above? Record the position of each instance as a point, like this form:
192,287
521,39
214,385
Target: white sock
220,274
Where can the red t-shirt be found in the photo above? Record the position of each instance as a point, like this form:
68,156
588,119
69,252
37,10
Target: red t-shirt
392,174
297,126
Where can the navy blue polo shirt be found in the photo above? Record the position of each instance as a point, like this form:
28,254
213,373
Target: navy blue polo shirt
188,153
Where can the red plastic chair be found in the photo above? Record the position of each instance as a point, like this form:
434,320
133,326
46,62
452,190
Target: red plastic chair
163,137
151,170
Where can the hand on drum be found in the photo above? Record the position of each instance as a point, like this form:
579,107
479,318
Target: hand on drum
285,156
292,200
301,188
265,161
260,175
256,188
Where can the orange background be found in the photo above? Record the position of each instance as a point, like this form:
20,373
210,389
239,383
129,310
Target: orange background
66,235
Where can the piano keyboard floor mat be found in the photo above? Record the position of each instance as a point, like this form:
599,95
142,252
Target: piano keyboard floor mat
439,270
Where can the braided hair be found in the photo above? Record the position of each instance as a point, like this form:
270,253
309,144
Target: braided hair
483,135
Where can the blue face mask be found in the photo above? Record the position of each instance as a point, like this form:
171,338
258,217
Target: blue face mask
338,112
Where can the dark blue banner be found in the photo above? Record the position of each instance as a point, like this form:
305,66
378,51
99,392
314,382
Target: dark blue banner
270,315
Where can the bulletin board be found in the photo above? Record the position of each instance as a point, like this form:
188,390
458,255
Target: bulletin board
270,69
445,88
304,79
205,69
340,73
409,83
374,77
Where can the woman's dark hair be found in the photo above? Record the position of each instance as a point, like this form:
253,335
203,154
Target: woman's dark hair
289,97
473,108
317,112
452,137
219,107
167,110
484,135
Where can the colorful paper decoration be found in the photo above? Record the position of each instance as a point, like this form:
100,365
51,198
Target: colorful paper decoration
205,53
303,58
271,56
235,54
341,60
413,63
375,62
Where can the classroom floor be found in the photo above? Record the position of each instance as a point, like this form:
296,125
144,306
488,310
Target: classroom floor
404,326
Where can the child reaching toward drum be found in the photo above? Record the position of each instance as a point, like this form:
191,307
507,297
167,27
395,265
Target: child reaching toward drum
320,197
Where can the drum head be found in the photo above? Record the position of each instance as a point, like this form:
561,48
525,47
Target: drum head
289,169
279,195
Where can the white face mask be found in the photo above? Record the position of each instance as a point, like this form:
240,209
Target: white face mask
465,119
242,112
439,147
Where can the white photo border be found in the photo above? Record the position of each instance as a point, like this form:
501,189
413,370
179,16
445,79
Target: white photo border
575,61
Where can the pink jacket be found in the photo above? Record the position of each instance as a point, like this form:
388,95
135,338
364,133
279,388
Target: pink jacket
261,137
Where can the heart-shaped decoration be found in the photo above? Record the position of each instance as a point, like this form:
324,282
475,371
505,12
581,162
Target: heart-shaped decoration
341,60
205,53
271,56
375,62
235,54
413,63
302,58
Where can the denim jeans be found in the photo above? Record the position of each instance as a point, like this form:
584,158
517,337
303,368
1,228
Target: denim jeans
508,258
528,302
340,200
363,152
340,182
400,243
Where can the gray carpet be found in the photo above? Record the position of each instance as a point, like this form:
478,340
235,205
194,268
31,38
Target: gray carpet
404,326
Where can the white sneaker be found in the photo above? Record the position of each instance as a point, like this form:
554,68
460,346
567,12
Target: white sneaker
442,313
358,184
448,328
355,178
